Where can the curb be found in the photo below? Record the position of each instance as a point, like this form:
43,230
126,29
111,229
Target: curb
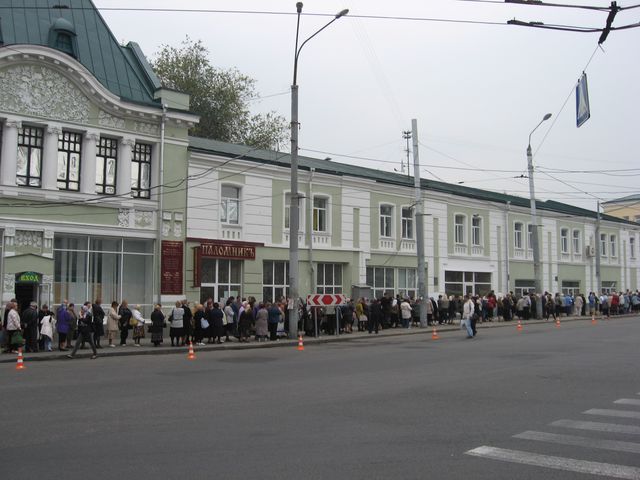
148,350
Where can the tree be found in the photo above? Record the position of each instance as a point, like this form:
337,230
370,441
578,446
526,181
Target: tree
220,97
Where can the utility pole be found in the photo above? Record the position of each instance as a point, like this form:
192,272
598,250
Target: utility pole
597,241
422,285
406,134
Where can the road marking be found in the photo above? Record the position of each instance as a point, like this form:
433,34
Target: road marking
558,463
613,413
597,426
580,441
628,401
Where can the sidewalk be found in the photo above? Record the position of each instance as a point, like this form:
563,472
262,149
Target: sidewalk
148,349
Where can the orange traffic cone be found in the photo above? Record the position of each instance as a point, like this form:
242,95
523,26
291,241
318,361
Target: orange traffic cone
557,323
593,320
434,335
192,354
519,325
20,365
300,344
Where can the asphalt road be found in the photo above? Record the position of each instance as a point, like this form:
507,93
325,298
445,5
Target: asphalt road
402,407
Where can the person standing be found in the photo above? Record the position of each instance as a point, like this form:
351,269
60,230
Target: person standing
216,322
198,328
43,312
262,319
112,324
405,312
47,327
176,319
272,321
30,325
138,328
376,315
62,325
229,315
73,324
13,330
187,322
244,323
98,321
468,311
157,325
85,327
125,322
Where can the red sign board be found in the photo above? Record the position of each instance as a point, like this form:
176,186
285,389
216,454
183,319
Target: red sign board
325,300
172,268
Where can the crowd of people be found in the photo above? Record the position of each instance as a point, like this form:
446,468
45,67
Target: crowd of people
240,319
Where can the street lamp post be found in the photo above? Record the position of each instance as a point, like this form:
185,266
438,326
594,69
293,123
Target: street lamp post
294,207
535,244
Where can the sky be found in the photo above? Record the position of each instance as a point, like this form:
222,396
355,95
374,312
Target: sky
476,86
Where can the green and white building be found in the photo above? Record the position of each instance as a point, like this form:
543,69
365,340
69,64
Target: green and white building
104,195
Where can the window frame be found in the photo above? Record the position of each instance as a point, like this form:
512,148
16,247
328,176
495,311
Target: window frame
603,244
138,159
287,214
613,246
386,221
35,145
529,236
66,154
329,288
576,241
320,213
407,223
226,200
459,229
564,240
102,188
476,230
518,235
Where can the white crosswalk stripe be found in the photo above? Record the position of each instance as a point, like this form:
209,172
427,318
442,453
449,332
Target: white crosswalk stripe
577,441
558,463
591,442
598,426
613,413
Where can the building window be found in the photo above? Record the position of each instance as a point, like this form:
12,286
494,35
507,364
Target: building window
613,246
329,278
609,286
467,283
632,247
141,171
407,223
529,236
287,212
275,280
386,221
220,279
517,235
459,233
576,242
570,287
603,244
230,207
564,240
524,287
103,267
319,214
29,163
407,282
476,231
106,166
381,280
69,151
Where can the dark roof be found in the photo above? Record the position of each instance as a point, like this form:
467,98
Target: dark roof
123,70
246,153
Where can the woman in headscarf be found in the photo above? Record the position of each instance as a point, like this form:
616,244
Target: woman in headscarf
138,329
244,322
262,327
176,332
112,324
157,325
199,329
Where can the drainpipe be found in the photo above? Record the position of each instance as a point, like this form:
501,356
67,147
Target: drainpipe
161,202
506,241
312,283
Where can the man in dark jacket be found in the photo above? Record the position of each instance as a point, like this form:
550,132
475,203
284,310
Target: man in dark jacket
85,330
375,316
272,321
98,321
123,323
30,325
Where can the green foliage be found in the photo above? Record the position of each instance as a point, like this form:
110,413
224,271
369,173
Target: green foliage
220,97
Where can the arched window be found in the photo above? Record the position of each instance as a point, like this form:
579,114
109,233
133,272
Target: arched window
459,234
476,231
62,36
564,240
517,235
230,206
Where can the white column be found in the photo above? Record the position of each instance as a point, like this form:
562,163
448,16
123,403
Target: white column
9,154
88,163
123,183
50,158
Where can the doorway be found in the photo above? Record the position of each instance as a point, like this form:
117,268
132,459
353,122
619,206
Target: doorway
25,294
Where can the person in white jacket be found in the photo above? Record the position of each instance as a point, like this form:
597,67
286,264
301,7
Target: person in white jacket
138,330
468,310
405,313
47,326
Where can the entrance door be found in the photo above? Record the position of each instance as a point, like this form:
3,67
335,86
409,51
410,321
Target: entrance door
25,294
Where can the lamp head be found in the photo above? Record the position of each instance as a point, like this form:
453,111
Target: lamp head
342,13
546,117
299,7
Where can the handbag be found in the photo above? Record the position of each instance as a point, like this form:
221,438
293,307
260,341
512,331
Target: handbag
205,323
133,322
16,338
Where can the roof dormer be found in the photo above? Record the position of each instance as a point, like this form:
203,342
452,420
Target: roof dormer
62,36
